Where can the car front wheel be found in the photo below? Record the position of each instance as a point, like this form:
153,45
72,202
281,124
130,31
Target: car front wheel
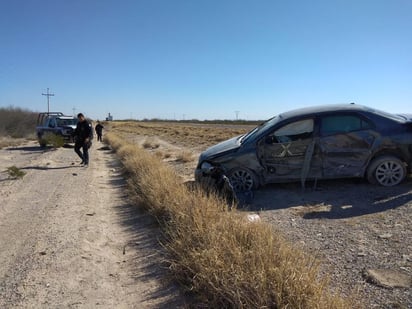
243,180
386,171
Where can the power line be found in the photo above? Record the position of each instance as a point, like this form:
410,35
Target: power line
48,98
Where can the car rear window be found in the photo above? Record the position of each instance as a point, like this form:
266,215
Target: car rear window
343,124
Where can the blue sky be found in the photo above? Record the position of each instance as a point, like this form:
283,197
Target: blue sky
211,59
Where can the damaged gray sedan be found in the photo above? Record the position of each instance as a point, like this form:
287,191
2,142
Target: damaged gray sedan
324,142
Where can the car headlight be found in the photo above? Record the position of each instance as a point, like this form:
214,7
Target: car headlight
206,165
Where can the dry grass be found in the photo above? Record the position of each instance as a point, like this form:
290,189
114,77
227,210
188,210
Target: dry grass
17,122
149,144
159,154
194,136
146,145
6,141
214,252
184,156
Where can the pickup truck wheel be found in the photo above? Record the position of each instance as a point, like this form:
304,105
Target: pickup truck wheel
387,171
42,141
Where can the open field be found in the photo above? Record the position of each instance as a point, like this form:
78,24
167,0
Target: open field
354,229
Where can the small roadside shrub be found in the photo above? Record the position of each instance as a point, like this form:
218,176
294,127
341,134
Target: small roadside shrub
147,144
150,145
184,156
15,173
56,141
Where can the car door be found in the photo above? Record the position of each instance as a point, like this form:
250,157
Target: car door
50,125
345,143
289,152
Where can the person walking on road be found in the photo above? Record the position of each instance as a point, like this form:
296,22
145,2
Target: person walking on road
99,131
82,135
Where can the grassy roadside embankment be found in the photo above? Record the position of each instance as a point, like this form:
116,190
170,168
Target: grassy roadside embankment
226,261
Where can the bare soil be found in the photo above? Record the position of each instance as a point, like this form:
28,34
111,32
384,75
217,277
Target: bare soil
69,237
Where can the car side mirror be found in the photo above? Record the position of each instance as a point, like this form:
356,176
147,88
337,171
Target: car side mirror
270,139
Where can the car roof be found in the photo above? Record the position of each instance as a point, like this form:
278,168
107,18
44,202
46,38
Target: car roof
66,117
323,109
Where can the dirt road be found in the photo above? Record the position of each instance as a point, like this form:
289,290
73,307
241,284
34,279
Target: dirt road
69,239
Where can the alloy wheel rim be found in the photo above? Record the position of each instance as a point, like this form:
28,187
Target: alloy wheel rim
242,181
389,173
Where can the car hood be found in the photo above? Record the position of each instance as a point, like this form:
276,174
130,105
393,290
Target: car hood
221,148
72,126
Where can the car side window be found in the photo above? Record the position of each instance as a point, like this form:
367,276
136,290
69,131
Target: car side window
343,124
52,123
298,130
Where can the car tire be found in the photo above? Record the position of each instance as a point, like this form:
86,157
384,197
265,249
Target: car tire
387,171
243,180
42,141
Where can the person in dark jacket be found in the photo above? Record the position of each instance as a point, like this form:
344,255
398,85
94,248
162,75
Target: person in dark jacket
82,136
99,131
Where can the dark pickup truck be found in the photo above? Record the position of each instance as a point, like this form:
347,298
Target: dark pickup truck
55,124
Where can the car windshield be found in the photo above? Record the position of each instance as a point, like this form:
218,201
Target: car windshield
66,122
260,128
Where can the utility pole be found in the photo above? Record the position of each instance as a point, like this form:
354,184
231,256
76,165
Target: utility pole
74,111
237,114
48,98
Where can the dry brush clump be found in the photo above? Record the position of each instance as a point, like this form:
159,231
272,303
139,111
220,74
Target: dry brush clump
184,156
15,173
226,261
150,144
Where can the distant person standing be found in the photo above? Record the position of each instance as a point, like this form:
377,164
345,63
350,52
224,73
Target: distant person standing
99,131
82,135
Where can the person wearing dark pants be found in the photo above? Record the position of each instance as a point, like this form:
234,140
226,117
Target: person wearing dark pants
99,131
82,135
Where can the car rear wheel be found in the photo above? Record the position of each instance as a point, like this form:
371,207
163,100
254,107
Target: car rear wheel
386,171
243,180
